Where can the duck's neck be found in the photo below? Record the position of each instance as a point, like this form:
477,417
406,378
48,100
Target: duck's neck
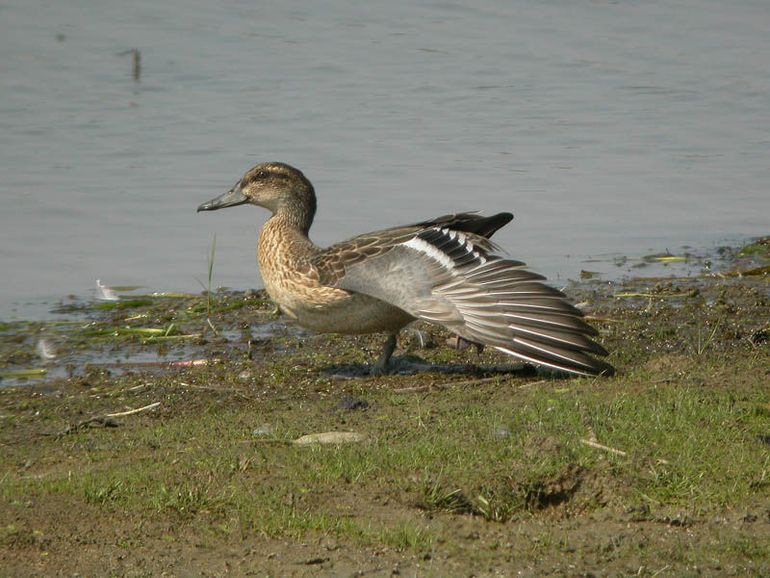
296,216
284,238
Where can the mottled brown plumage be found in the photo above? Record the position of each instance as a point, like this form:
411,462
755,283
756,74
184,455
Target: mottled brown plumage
443,271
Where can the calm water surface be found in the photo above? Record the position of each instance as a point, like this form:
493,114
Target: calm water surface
618,127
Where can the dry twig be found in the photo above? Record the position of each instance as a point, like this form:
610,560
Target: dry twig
133,411
602,447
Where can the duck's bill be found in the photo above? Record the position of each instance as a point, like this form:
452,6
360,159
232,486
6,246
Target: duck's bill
231,198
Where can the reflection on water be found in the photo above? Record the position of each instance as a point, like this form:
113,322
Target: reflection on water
608,128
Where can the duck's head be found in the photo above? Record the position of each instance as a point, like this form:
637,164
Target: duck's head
277,187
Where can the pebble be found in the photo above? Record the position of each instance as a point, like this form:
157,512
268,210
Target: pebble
331,437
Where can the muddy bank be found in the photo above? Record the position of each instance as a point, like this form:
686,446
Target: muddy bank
160,438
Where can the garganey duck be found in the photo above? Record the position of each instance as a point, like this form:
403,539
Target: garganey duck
444,271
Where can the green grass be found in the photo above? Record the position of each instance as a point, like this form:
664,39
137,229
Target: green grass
759,250
407,537
688,449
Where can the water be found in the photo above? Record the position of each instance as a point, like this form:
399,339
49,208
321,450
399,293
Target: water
618,127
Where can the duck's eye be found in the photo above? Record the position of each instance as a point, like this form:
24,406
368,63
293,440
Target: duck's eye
262,175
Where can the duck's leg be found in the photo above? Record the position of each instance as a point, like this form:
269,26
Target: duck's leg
387,352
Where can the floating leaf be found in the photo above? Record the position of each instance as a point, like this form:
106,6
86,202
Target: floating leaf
23,373
671,259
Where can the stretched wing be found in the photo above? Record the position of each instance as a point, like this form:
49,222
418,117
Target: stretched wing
444,271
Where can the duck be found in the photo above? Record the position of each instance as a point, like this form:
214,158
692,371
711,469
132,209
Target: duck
445,271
